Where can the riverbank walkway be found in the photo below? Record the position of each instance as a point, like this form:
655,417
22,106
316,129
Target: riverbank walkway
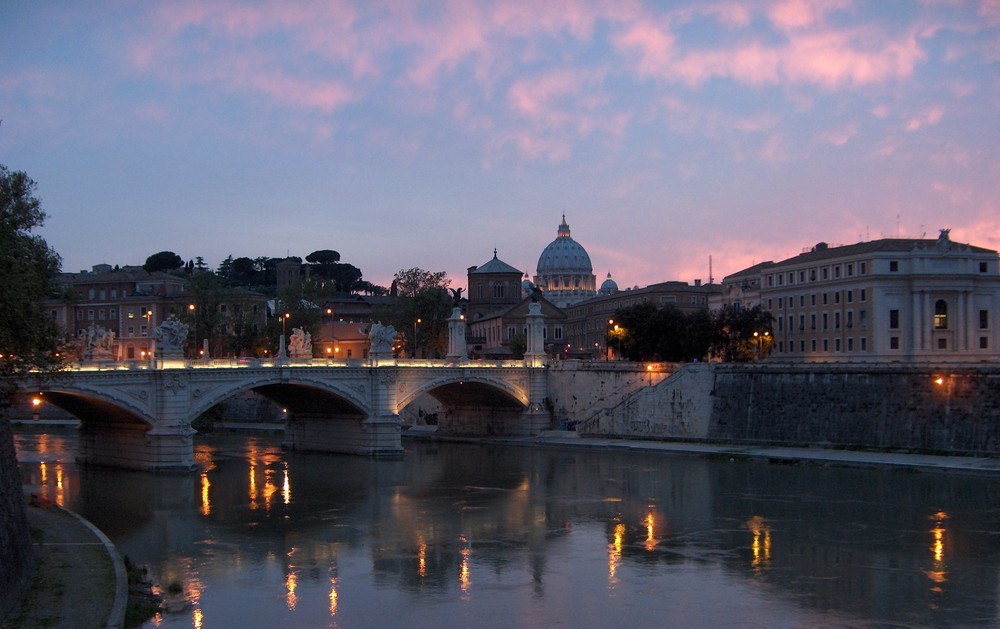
80,579
782,454
78,585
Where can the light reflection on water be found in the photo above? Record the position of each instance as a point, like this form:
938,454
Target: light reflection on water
462,535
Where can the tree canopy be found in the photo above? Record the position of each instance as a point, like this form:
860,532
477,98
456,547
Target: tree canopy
29,338
420,311
163,261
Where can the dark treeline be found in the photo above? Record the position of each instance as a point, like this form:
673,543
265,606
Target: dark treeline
646,333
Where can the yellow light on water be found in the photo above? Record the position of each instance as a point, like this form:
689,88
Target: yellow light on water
206,502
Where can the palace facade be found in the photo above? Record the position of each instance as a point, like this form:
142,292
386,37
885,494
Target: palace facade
888,300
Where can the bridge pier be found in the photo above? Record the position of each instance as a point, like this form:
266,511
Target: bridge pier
137,446
350,434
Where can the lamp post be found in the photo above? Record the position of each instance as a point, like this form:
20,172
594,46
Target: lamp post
419,320
194,322
607,338
149,330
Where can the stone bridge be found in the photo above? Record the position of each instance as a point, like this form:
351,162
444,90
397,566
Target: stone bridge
139,417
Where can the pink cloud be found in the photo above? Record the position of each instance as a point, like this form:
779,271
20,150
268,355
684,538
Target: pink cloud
652,44
797,14
840,137
931,116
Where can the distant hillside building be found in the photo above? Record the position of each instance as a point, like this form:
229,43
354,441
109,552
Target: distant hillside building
894,299
130,303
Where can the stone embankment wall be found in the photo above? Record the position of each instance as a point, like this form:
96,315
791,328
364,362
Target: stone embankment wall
16,557
948,408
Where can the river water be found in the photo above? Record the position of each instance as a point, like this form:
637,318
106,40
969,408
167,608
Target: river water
469,535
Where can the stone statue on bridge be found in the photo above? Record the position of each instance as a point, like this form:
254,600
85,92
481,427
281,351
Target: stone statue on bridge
381,338
100,343
300,345
169,336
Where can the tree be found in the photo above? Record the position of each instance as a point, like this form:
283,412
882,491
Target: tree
163,261
29,339
419,311
743,333
323,260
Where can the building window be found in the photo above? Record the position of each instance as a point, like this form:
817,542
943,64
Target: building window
836,297
864,343
812,344
781,302
142,330
113,314
90,315
558,333
836,345
850,344
893,342
802,276
812,322
850,319
942,343
498,291
812,299
864,295
812,275
769,306
510,332
982,267
826,272
983,343
862,318
941,315
862,268
893,266
836,320
824,299
802,346
79,315
770,280
802,322
836,271
780,322
114,293
100,314
894,319
850,270
90,294
131,330
850,296
826,321
984,319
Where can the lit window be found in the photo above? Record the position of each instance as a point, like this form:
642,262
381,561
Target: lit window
941,315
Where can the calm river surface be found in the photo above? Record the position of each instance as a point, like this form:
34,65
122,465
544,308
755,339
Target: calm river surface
461,535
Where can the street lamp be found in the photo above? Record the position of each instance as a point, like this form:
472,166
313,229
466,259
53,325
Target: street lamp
419,320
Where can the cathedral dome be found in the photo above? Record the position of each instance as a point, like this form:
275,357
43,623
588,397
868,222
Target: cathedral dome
564,255
565,274
608,287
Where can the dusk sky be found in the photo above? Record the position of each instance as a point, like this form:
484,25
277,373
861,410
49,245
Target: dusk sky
426,134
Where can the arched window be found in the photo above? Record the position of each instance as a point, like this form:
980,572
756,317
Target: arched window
941,315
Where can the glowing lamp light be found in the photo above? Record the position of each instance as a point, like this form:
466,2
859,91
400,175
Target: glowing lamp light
939,381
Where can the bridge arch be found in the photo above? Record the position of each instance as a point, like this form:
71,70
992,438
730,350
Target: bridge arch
456,385
298,394
92,403
472,404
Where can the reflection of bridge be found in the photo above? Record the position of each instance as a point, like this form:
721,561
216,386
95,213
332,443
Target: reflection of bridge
141,418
